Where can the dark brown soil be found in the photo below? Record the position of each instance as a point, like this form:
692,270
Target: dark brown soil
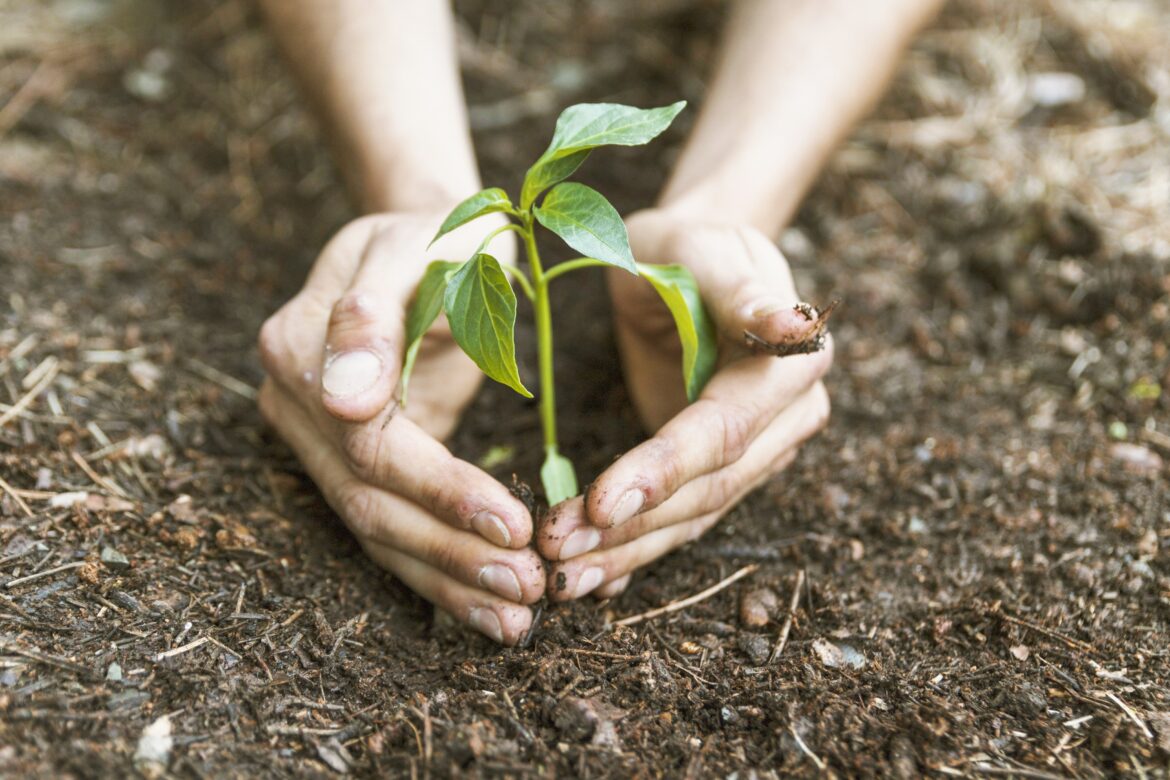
984,527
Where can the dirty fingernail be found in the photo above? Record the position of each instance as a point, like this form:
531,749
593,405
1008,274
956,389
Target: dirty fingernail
501,580
491,528
627,506
486,622
589,579
351,373
580,542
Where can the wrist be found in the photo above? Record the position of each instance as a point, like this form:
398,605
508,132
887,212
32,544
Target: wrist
399,187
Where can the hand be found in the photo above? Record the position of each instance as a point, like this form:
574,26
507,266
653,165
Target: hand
333,354
745,427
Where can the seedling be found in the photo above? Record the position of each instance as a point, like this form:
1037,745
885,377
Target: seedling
478,298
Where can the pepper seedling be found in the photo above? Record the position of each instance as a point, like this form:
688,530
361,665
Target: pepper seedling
480,303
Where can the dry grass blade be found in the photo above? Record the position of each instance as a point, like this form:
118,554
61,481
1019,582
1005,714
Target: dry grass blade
675,606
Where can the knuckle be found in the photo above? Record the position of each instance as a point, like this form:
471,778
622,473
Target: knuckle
442,496
272,342
735,431
354,309
363,451
721,488
442,554
355,504
822,407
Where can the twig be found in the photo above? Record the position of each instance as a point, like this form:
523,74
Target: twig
225,381
1016,771
12,492
180,650
675,606
1157,438
97,478
280,730
792,605
805,749
1132,715
31,395
27,96
46,573
1076,644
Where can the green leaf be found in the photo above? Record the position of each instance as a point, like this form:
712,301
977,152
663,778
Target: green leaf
557,476
679,291
546,173
587,126
481,307
587,222
424,310
487,201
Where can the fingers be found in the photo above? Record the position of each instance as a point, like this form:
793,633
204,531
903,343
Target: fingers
498,619
566,532
400,458
613,588
581,576
382,520
739,402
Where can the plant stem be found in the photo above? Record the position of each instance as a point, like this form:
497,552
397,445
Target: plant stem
519,276
544,339
571,265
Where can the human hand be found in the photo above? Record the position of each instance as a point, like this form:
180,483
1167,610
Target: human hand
746,425
333,355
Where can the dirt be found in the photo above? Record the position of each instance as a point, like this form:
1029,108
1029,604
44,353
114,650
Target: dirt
981,535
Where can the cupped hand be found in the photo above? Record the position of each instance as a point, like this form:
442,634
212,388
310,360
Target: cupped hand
333,355
703,458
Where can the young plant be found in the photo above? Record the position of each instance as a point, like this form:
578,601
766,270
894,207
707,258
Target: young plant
478,298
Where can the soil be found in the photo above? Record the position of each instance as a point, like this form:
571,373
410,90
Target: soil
981,535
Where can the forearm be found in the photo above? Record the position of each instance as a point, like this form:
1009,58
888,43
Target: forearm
385,78
793,77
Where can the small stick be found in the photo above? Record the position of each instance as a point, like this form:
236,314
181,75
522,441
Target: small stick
225,381
180,650
31,395
98,479
792,605
675,606
280,730
1157,438
805,749
1076,644
38,575
12,492
45,658
1132,715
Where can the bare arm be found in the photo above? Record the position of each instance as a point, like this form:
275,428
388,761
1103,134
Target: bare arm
793,77
385,77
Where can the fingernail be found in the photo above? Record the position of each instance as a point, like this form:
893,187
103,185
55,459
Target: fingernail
580,542
764,308
627,506
588,581
501,580
486,622
491,528
351,373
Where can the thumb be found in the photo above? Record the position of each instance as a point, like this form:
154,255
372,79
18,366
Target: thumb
750,290
364,343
